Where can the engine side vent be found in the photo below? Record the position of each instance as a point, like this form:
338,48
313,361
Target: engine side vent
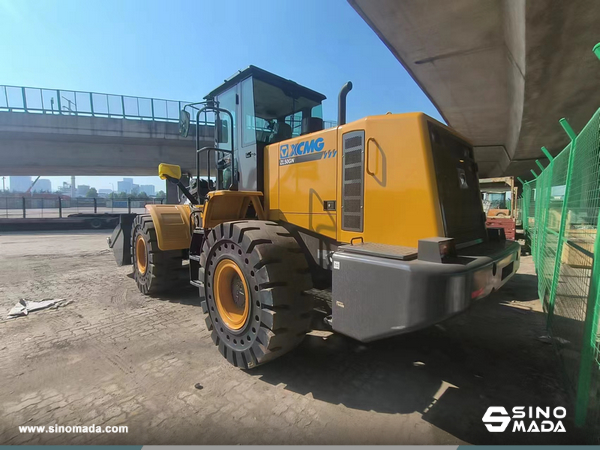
353,141
353,151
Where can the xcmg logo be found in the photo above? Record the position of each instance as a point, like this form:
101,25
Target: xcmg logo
544,420
301,148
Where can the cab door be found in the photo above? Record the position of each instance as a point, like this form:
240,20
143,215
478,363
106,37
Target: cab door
228,100
250,163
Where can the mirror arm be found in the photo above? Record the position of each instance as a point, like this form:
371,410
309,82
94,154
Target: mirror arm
183,189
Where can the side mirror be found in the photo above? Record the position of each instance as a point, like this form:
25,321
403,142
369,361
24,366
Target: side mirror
184,123
222,130
166,171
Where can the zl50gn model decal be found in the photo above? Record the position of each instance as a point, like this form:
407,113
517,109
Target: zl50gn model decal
304,151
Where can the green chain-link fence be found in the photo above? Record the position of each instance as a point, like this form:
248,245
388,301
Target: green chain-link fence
560,210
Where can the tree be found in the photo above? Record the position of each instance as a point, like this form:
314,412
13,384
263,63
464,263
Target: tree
122,195
161,194
143,195
92,193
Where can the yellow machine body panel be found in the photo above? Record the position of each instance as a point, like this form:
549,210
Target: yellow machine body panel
301,175
172,222
225,206
172,225
400,202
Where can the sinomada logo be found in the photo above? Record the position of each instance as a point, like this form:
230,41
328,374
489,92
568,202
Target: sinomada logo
525,419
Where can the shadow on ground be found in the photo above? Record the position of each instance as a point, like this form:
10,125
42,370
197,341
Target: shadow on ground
490,355
183,292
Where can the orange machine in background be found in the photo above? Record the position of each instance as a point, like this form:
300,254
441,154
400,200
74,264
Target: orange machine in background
499,203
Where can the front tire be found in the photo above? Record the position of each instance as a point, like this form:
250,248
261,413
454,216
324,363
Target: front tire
154,270
254,276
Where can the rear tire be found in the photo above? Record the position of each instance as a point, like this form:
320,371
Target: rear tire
274,273
154,270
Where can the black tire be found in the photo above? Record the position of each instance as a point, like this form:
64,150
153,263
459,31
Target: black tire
163,268
276,273
96,224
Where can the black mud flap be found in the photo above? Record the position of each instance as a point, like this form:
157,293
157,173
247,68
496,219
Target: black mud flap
120,239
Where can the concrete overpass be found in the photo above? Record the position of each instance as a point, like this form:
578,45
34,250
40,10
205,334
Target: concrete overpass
38,138
40,144
501,72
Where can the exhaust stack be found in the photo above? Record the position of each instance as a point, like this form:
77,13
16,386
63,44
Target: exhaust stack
342,103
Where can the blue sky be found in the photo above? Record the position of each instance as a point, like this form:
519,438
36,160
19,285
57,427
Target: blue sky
180,50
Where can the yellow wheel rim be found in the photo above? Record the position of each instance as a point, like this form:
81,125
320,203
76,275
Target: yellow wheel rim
231,294
140,254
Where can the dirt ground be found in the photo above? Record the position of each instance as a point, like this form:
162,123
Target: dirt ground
113,356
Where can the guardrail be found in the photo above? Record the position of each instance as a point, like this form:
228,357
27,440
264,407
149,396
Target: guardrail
91,104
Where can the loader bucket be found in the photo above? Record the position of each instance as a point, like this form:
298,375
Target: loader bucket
120,240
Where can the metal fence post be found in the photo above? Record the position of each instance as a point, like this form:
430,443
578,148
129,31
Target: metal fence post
24,211
95,205
92,104
563,219
525,207
59,207
539,164
547,153
24,99
129,205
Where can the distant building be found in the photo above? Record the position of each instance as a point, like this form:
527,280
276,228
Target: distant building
148,189
20,184
82,190
65,188
104,193
125,186
42,185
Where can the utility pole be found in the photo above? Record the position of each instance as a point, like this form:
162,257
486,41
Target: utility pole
3,184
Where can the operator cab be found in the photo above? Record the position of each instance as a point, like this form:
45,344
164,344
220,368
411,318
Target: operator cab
266,109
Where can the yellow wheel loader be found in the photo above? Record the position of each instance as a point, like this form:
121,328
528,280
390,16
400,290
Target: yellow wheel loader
377,223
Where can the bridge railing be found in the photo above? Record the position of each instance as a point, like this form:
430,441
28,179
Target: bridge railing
91,104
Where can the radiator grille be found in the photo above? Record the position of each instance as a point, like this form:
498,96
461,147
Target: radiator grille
353,157
351,222
353,141
353,190
353,173
353,179
352,206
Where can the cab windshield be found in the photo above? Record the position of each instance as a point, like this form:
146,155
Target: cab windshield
276,115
